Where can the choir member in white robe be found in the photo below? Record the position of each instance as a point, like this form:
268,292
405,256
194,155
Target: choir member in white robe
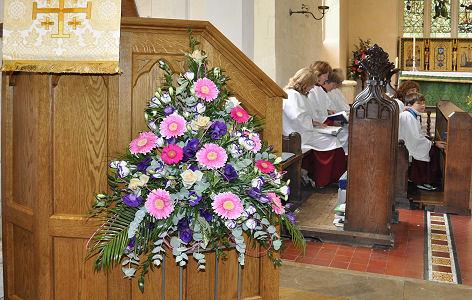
319,103
425,170
337,101
297,115
406,88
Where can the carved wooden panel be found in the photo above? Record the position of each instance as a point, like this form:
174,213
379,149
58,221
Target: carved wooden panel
75,279
80,142
373,135
22,260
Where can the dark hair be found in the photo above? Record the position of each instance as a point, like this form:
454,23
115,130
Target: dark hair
336,76
413,98
404,87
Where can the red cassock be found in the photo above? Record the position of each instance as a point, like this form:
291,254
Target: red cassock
325,167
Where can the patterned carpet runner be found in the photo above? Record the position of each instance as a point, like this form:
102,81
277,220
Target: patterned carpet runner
440,256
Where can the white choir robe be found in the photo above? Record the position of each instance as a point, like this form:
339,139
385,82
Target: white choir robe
337,102
319,103
410,131
297,117
401,105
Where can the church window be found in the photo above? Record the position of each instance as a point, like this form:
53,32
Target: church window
441,18
413,12
437,18
465,19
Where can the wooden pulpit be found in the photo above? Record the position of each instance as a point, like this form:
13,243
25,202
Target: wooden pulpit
373,140
58,134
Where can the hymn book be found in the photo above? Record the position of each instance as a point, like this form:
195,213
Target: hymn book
333,130
341,117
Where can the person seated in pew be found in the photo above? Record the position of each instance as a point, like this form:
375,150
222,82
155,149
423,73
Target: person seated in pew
425,170
326,163
337,101
406,88
317,97
320,103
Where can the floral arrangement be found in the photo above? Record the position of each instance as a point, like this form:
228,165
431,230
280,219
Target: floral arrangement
355,69
199,180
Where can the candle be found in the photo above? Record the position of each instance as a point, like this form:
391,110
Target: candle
414,54
396,62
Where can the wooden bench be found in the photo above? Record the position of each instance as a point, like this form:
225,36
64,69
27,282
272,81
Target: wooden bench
292,166
401,177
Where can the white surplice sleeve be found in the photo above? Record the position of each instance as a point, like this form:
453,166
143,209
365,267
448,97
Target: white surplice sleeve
318,103
337,101
296,116
410,131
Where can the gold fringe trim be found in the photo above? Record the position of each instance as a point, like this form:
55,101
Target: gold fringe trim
80,67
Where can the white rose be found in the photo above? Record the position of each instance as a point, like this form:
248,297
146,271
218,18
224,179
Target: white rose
189,177
136,183
189,75
201,122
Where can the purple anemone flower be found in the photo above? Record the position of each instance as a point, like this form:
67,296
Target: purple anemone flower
168,110
194,199
229,173
186,235
206,214
191,149
291,217
143,164
254,193
217,130
132,200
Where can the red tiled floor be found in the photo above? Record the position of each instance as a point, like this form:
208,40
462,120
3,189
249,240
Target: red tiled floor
404,259
462,229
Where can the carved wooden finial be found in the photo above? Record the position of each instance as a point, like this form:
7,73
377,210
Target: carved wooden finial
376,63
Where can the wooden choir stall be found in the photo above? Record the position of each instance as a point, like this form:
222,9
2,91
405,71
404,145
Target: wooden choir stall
373,142
372,167
58,134
454,126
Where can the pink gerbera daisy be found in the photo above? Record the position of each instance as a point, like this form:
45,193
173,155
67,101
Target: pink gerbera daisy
265,166
276,203
212,156
206,89
227,205
172,154
159,204
239,114
144,143
173,126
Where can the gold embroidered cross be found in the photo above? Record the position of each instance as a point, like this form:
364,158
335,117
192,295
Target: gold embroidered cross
74,23
46,23
61,11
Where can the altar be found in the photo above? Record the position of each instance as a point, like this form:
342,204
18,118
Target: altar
436,86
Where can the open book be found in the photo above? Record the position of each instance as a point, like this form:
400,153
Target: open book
339,117
333,130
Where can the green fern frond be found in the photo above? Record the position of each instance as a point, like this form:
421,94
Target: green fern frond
111,238
296,235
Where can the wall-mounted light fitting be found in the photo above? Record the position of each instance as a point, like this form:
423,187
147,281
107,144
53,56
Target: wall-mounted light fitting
306,11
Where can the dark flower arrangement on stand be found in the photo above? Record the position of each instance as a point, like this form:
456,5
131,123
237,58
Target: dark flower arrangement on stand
199,180
355,69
